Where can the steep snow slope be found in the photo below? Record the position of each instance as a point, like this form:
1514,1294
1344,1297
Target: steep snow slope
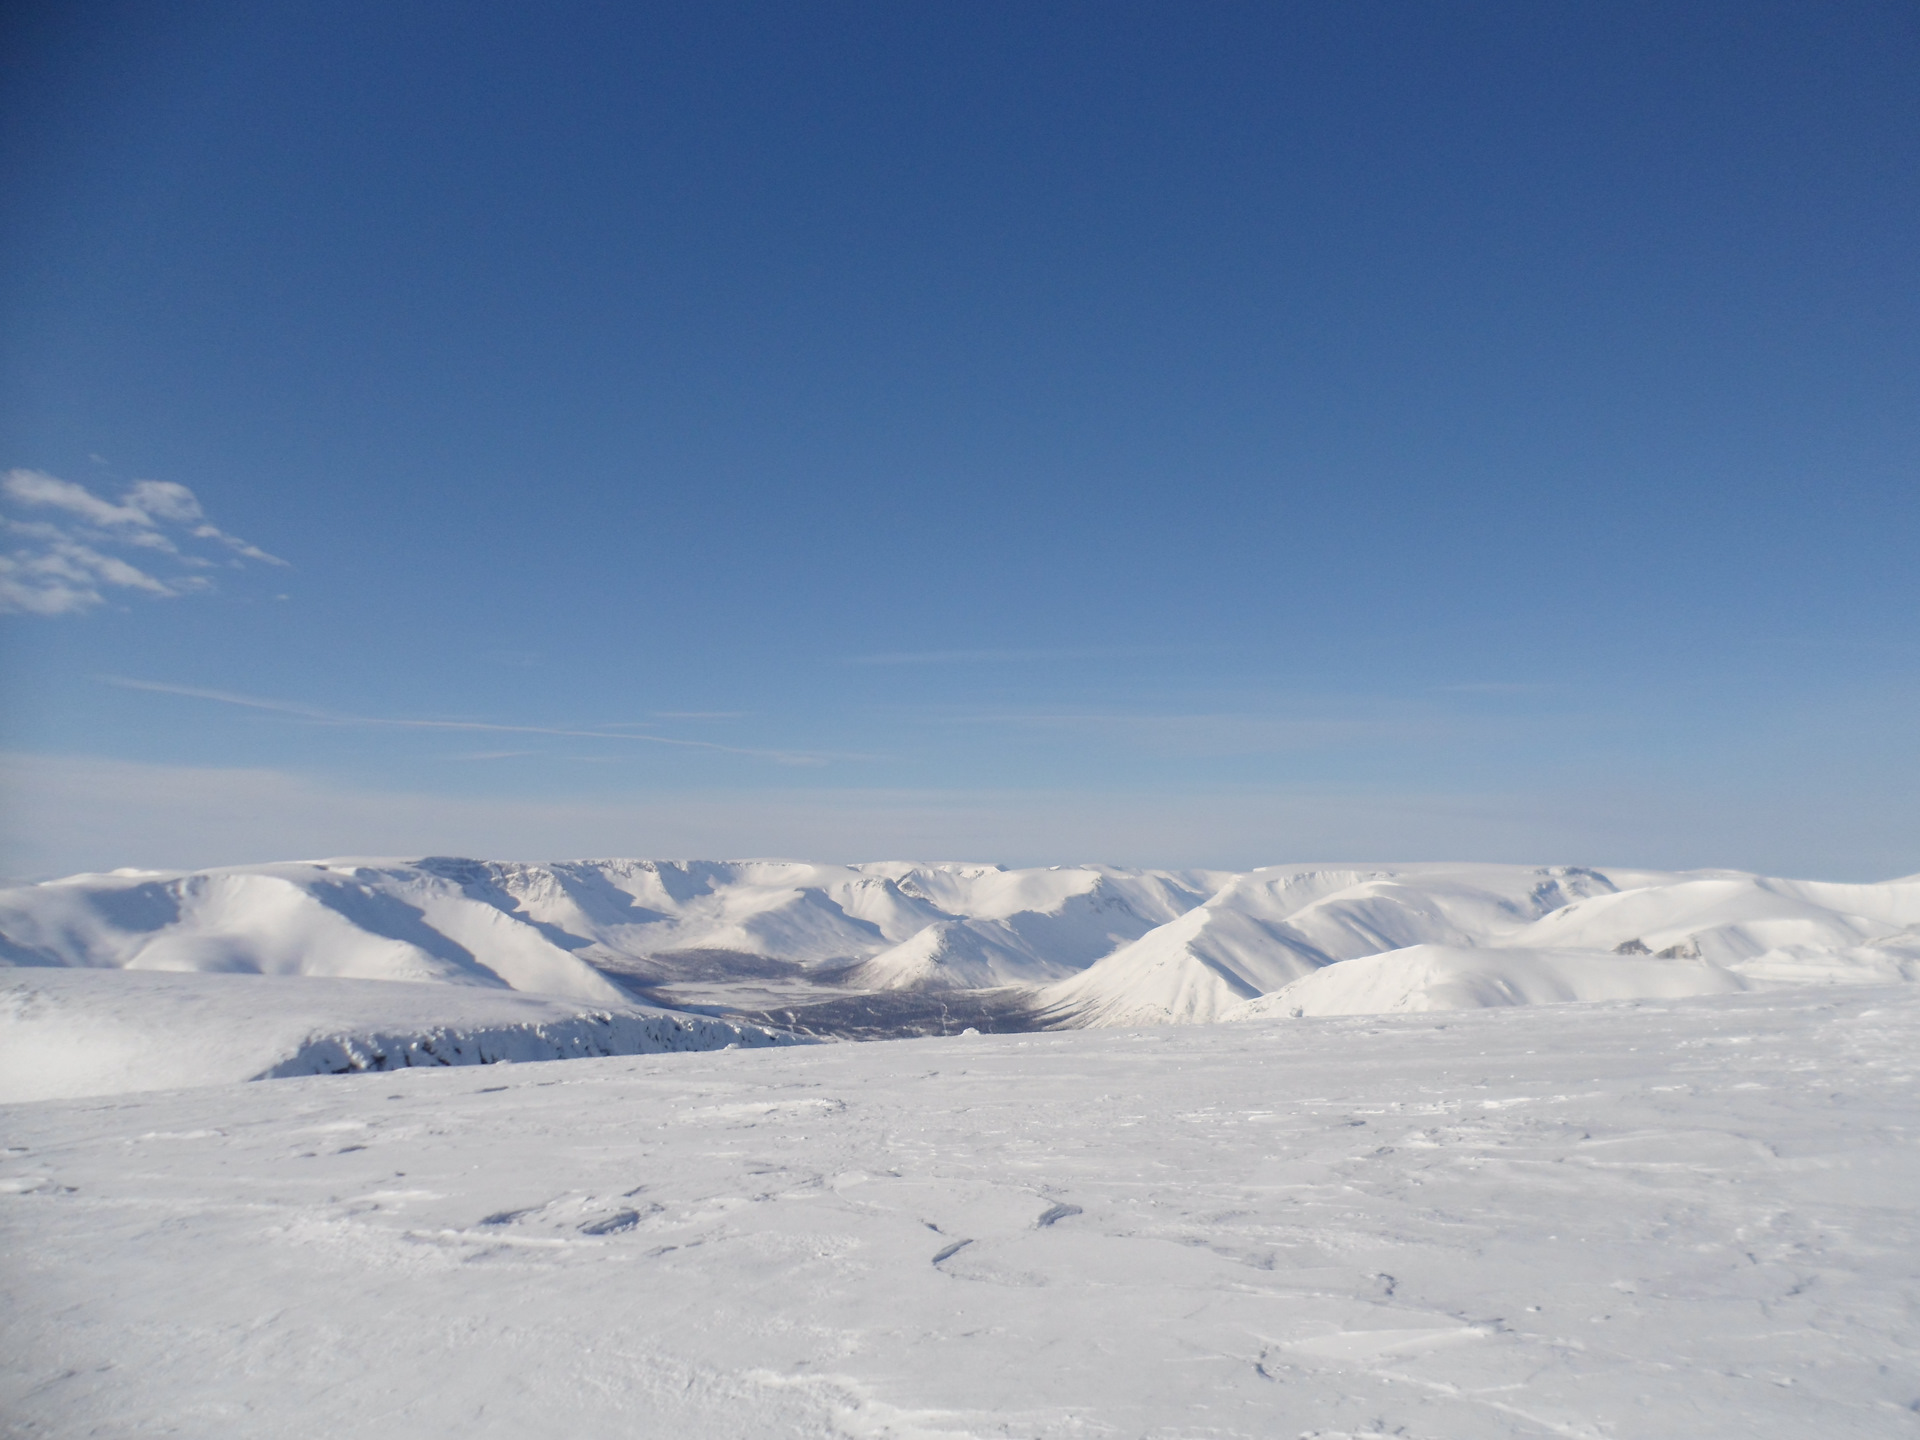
1190,970
946,955
338,919
85,1032
1029,927
1632,1221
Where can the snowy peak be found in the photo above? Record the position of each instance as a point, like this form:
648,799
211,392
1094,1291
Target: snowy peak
1190,970
948,955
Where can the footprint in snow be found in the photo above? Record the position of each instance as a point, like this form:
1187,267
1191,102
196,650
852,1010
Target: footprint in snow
507,1217
613,1224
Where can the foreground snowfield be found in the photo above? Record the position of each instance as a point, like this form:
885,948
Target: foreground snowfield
1656,1218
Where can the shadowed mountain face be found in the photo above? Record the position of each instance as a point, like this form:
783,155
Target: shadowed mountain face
894,949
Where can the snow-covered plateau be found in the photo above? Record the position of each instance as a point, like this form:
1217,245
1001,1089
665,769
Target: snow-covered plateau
84,1032
1645,1218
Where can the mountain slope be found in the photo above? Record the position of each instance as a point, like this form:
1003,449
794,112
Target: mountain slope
1448,977
1188,971
1268,928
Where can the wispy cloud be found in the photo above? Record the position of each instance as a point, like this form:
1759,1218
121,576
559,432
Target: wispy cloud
1003,657
1215,734
1226,733
227,697
329,717
73,546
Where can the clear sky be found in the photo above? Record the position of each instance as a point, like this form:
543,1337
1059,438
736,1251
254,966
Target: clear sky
1174,433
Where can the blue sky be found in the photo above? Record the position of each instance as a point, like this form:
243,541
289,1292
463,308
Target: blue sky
1160,433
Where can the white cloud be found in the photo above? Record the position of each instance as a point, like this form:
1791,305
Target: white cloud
65,565
49,492
164,500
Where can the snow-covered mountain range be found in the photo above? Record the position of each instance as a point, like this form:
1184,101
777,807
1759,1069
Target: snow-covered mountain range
1089,945
1684,1214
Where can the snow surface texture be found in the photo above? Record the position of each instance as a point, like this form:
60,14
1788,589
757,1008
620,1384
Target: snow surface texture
1631,1219
70,1033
